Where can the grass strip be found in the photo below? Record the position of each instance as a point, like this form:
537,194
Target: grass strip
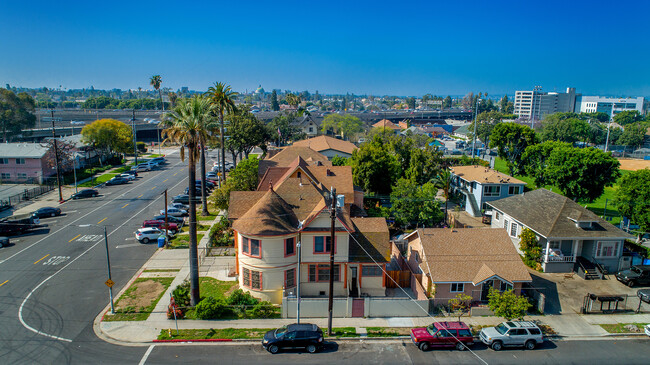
220,333
98,180
339,332
161,270
183,240
387,331
620,327
140,313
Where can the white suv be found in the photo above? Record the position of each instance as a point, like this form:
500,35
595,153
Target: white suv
512,333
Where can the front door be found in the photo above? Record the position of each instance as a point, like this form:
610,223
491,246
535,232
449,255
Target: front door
357,307
486,290
354,290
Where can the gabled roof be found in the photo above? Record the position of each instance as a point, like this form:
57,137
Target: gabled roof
22,150
470,255
270,216
385,123
372,241
288,154
553,215
483,175
324,143
242,201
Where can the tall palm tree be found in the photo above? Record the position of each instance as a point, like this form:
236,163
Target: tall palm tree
443,181
222,98
155,81
187,124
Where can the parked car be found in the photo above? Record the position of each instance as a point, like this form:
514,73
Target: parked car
180,206
4,242
212,175
443,334
160,224
512,333
85,193
159,160
637,274
131,172
303,335
47,212
185,199
175,212
128,177
208,183
646,329
116,181
179,221
145,235
197,191
644,295
140,168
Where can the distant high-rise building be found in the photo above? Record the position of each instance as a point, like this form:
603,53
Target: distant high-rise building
611,106
535,104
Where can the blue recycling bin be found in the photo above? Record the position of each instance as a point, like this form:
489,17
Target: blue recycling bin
161,241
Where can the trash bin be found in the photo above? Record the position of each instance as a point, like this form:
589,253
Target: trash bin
161,241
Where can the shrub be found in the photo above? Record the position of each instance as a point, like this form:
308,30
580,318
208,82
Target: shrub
221,234
528,245
263,310
240,297
174,308
142,147
182,294
211,308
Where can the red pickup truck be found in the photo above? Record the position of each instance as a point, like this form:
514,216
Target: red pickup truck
443,334
173,227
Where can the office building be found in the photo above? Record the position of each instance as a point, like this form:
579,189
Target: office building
535,104
611,106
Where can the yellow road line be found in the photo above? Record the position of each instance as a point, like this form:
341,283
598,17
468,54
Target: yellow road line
140,196
165,180
175,174
4,283
102,220
74,238
123,206
153,188
41,259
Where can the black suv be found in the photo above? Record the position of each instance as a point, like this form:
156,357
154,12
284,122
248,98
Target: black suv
303,335
86,193
637,274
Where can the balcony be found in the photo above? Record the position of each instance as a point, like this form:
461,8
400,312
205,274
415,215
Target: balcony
555,255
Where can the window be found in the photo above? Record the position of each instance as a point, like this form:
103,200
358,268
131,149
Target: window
445,333
251,247
457,287
514,190
371,270
290,278
4,161
5,175
323,244
513,229
534,331
321,273
289,247
606,249
505,286
22,175
20,161
497,215
464,333
554,245
311,129
492,190
252,279
505,224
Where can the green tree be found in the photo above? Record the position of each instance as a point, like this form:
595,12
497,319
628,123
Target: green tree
374,167
633,198
415,204
223,103
507,304
284,123
557,128
339,161
443,181
156,81
274,101
633,135
529,246
460,304
627,117
503,104
187,125
410,102
293,100
16,113
108,136
581,173
246,132
346,125
424,164
511,140
446,103
242,178
534,162
486,123
599,116
173,97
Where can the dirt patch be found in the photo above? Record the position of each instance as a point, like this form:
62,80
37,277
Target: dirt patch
143,294
229,291
633,164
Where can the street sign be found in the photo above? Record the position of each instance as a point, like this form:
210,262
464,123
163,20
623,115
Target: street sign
109,283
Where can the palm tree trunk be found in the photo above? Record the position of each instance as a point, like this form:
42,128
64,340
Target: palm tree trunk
223,147
194,258
204,197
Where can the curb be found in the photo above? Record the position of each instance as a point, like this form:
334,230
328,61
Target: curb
197,340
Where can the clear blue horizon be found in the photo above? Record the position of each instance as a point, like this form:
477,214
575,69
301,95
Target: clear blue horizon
361,47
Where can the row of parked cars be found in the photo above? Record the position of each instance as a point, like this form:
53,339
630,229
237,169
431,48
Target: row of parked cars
154,228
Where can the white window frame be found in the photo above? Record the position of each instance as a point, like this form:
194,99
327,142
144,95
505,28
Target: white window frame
487,190
600,245
457,286
496,215
513,227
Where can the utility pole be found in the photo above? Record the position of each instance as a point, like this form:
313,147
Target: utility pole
332,245
607,138
108,262
56,158
135,149
298,283
475,123
166,223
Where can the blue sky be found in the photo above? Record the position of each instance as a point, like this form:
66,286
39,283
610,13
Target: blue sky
372,47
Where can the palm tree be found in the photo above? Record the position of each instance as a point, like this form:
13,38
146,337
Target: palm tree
222,98
443,181
293,100
155,81
188,125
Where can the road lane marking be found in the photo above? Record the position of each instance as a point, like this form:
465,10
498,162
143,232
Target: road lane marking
74,238
42,258
175,174
102,220
129,245
4,283
140,196
55,260
89,238
146,355
165,180
125,205
22,305
153,188
71,211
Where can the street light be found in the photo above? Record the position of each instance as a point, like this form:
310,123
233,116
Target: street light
108,263
475,123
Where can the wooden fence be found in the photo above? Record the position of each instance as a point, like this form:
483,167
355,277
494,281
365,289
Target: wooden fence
402,278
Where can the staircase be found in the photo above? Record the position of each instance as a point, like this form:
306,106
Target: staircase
588,269
476,212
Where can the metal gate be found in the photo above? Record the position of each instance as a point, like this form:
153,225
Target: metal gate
358,307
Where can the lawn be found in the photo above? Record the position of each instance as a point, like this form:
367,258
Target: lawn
139,300
98,180
122,169
226,333
387,331
183,240
620,327
199,227
210,217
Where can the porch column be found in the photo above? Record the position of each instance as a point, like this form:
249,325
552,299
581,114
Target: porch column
574,252
548,247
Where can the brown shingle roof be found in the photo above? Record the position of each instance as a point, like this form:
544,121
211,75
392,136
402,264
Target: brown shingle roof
270,216
554,215
242,201
323,143
483,175
370,241
470,255
285,157
385,123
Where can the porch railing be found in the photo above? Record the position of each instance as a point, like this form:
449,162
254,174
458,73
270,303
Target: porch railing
559,259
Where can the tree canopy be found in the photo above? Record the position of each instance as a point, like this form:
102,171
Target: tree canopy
627,117
633,198
633,134
283,123
564,128
375,166
346,125
507,304
246,132
415,204
16,113
511,140
109,135
242,178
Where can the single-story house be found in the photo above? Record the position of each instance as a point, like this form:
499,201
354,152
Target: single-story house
25,163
